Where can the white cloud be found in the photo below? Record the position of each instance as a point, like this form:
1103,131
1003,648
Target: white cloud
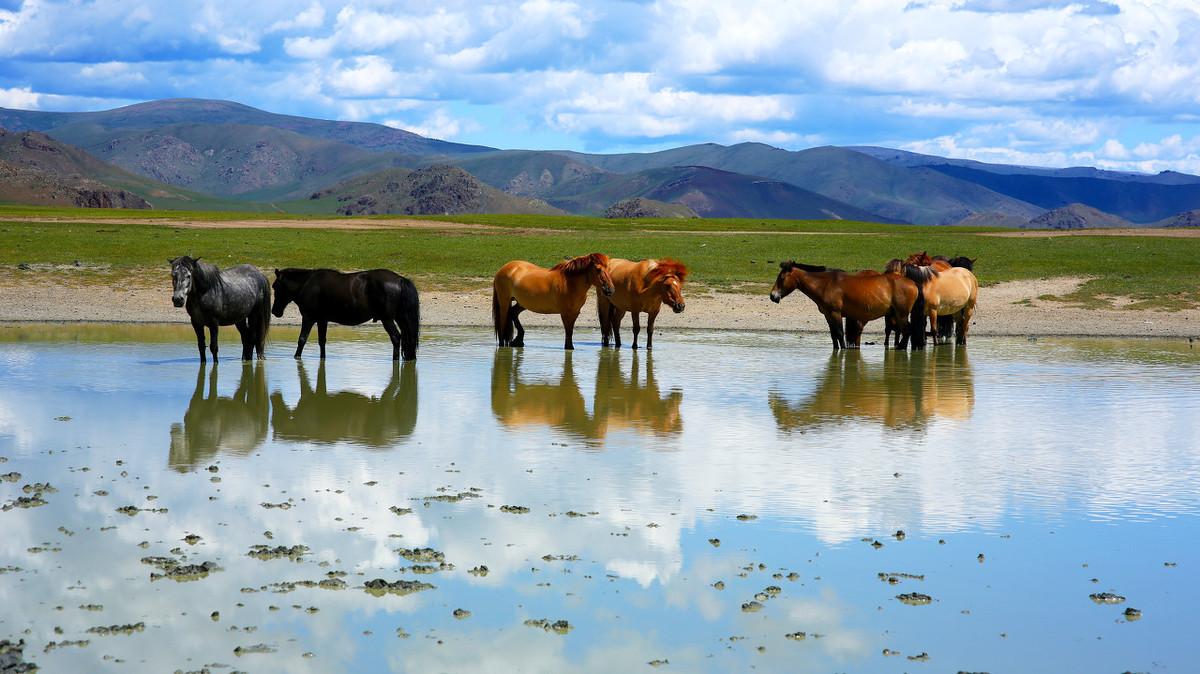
312,17
113,72
437,125
23,98
367,76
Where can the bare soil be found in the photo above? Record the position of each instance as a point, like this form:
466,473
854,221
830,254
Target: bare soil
1010,308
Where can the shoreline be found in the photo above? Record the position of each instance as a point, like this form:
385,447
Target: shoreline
1005,309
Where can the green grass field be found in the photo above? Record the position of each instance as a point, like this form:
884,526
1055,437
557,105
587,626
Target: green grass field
724,254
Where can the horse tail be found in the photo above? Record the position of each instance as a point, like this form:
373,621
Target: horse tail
916,320
407,312
500,322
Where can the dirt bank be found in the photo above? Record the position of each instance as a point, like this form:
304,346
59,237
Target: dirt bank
1004,309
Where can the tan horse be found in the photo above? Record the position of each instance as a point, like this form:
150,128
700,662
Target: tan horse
640,287
948,291
561,290
859,298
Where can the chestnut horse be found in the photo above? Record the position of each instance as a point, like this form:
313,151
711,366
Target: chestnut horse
640,287
562,290
859,298
945,291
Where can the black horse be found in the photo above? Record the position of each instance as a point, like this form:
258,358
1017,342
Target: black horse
325,295
238,296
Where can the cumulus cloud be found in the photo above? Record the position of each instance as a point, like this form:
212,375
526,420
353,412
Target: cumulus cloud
22,98
1028,76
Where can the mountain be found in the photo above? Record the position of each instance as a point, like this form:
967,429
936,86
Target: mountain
37,169
916,195
530,173
915,159
1185,219
639,207
173,111
432,190
1076,216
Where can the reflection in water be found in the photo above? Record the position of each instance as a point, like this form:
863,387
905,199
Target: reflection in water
622,403
321,416
618,402
906,389
237,424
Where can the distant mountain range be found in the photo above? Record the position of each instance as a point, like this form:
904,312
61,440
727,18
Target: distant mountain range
187,153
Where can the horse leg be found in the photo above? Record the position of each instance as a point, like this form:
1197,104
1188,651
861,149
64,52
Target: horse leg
199,328
964,323
933,326
835,329
888,322
854,330
637,327
212,340
306,324
617,316
394,334
243,328
569,325
322,327
650,330
604,313
515,316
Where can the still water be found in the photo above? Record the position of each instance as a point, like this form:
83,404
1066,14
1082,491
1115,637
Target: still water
731,503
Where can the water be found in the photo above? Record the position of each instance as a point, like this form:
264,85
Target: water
1070,465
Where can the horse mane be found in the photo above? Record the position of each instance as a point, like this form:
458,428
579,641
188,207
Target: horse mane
894,266
667,267
919,273
581,264
204,275
962,261
921,259
792,264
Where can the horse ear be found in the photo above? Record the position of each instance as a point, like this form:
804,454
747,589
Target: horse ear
277,271
171,260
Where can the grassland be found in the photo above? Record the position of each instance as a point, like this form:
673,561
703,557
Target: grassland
734,254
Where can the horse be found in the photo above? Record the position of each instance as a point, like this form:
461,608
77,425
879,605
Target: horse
640,287
895,266
325,295
945,291
860,298
945,324
562,290
239,296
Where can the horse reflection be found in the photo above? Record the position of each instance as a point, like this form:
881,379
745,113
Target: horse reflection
558,403
904,390
622,403
213,424
320,416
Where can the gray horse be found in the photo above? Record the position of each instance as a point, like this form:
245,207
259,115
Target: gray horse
239,296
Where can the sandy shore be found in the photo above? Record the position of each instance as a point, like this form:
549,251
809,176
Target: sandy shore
1004,309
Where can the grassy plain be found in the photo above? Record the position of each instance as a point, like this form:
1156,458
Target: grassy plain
731,255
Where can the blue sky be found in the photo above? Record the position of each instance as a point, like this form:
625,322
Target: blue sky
1112,83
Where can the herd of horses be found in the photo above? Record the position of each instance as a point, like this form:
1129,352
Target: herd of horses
905,294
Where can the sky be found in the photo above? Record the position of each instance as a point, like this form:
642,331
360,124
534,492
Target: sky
1108,83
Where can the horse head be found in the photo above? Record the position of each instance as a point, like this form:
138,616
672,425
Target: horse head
894,266
789,278
669,276
182,269
921,259
287,284
598,273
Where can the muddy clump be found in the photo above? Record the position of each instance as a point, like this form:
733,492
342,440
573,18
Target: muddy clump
1106,598
1132,614
751,607
266,552
12,659
110,630
65,643
132,510
177,570
10,477
796,636
251,650
422,555
514,509
480,571
379,587
401,511
34,501
283,505
915,598
558,626
461,614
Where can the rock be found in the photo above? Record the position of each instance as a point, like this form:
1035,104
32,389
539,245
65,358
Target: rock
639,207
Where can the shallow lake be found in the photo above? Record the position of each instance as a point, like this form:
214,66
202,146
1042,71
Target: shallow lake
732,502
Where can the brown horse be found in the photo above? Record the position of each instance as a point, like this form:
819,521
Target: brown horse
895,267
561,290
640,287
945,291
860,298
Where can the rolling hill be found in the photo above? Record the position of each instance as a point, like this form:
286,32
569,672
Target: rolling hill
37,169
432,190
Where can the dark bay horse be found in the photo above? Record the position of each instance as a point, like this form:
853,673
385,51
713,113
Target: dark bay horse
562,289
326,295
858,298
642,286
239,296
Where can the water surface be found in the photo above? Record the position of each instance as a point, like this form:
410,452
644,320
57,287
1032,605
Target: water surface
1024,475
